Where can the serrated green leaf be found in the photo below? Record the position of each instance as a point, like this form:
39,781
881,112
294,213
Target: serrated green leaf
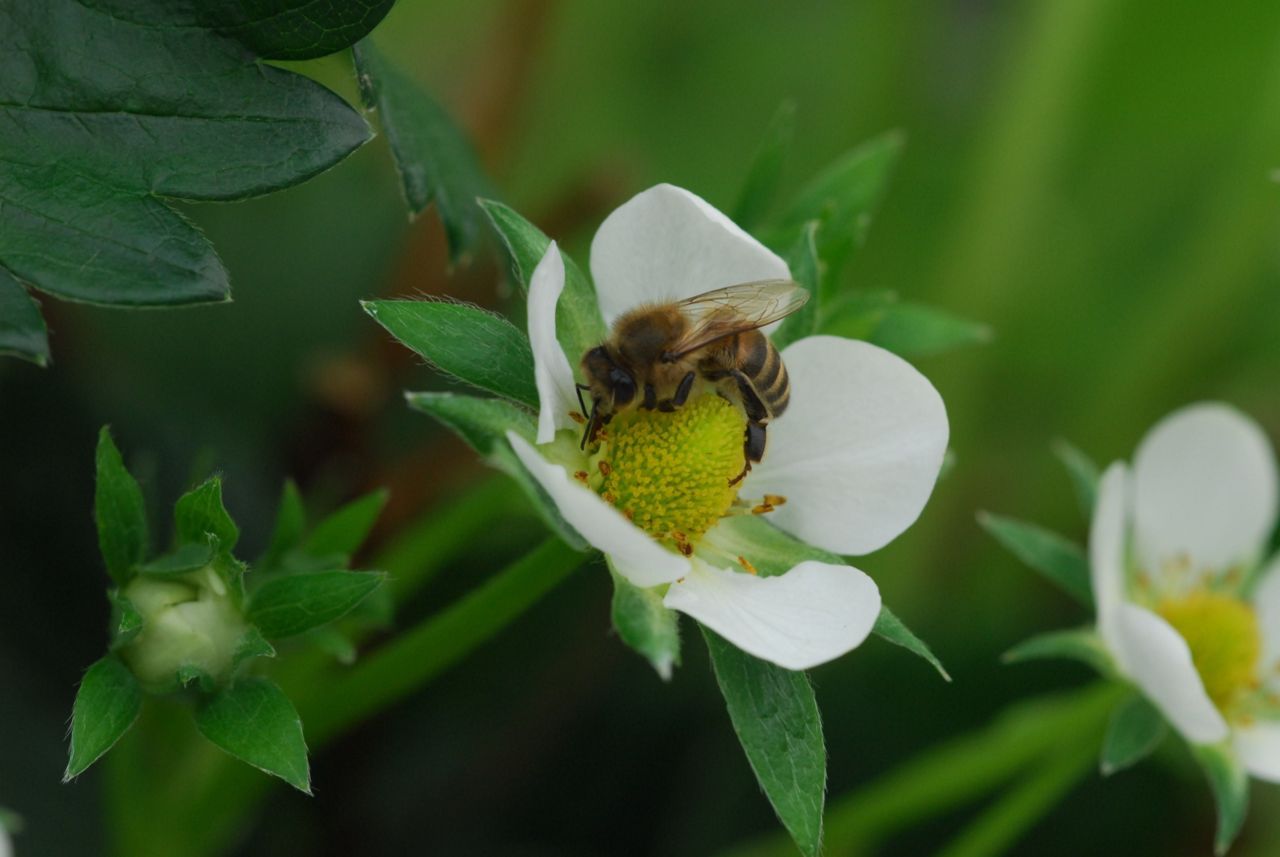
579,325
1060,560
1084,475
465,342
916,330
119,511
288,605
434,158
761,186
22,330
199,513
183,560
342,532
892,629
645,624
126,621
106,705
805,270
255,722
295,29
252,645
775,716
1135,730
1079,644
291,522
1230,785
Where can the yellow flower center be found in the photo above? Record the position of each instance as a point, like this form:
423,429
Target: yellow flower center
1226,645
670,473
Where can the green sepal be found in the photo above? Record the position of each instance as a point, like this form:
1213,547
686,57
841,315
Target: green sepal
776,718
343,531
579,325
126,621
1084,475
473,345
200,512
22,329
890,628
291,522
645,624
251,645
193,678
806,269
916,330
1058,559
291,604
1229,783
1135,730
434,158
1079,644
256,723
765,174
119,511
106,706
186,558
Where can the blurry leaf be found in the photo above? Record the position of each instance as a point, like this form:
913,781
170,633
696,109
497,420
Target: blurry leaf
133,101
200,512
255,722
805,270
761,186
296,29
579,325
776,717
434,158
343,532
915,330
291,521
334,643
118,508
483,424
644,624
1134,731
192,676
1230,785
1083,473
126,621
856,314
465,342
252,645
106,706
22,330
1057,558
284,606
889,627
841,199
185,559
1081,644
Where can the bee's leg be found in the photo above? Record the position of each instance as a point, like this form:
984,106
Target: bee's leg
751,402
681,396
752,449
650,398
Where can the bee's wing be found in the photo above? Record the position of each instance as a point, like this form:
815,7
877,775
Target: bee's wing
746,306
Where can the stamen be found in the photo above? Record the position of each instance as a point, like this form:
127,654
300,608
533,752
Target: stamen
1225,641
751,569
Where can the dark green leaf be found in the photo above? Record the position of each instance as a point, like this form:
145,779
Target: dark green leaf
106,706
1134,731
342,533
1230,785
255,722
1083,473
1057,558
22,330
435,160
1081,644
284,606
291,521
252,645
126,621
855,314
334,643
761,186
805,270
775,715
464,342
200,513
185,559
295,29
915,330
889,627
579,325
118,507
644,624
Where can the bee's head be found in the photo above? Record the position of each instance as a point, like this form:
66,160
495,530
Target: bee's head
610,382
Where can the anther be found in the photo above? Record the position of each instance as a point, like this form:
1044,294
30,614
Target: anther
577,417
751,569
581,476
605,468
762,509
774,500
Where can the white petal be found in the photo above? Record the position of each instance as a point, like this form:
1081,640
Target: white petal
1157,659
808,616
1107,548
1258,747
667,244
1266,600
1204,489
551,370
857,452
637,557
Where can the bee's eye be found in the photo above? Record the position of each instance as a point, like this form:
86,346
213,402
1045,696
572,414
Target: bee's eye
623,386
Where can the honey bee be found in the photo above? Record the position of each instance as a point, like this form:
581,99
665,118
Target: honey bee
656,353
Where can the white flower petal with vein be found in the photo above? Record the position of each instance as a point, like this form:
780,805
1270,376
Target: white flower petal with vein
551,370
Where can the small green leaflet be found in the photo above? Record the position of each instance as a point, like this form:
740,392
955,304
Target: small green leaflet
776,717
291,522
119,511
806,269
200,513
889,627
644,624
1084,475
761,185
1134,731
255,722
22,330
1058,559
1230,785
465,342
294,603
1079,644
106,705
342,532
187,558
907,329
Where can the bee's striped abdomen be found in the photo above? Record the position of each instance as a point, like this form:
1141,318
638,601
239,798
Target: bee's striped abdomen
762,364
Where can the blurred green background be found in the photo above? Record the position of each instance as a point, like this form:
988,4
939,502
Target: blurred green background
1093,178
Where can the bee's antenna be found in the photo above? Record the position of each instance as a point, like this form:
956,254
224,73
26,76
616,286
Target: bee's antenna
589,430
578,388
